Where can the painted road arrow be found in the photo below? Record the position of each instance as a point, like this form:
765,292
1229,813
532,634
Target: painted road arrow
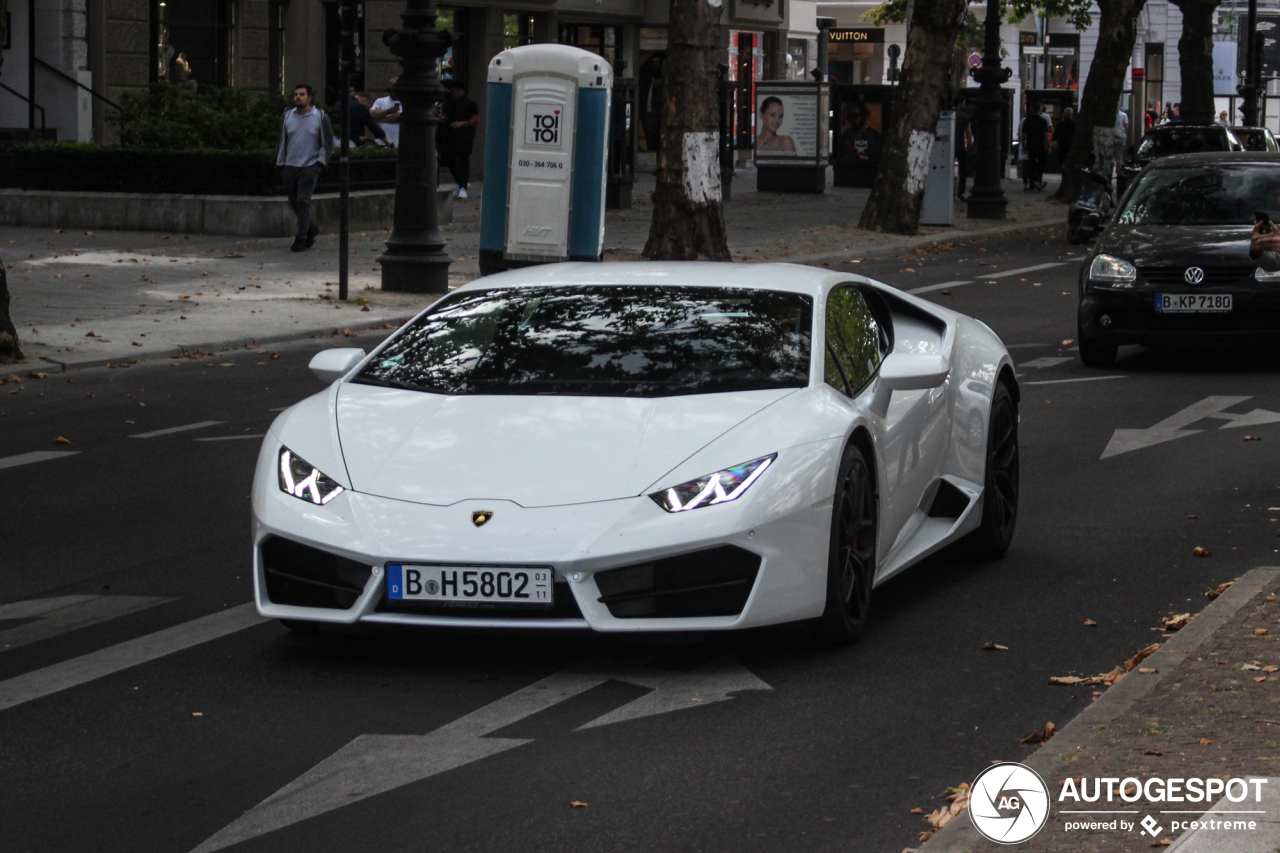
375,764
1174,426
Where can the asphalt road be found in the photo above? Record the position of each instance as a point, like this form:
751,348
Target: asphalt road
151,712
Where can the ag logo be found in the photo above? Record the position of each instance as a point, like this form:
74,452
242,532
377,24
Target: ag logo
542,124
1009,803
1193,275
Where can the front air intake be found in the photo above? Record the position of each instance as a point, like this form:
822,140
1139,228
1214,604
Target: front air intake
714,582
308,577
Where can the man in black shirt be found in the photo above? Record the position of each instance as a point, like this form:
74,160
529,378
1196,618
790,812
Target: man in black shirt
461,117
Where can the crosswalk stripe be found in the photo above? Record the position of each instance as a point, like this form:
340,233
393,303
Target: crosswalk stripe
34,456
172,430
66,613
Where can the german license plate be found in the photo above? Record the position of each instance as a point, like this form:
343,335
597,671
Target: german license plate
1193,303
454,584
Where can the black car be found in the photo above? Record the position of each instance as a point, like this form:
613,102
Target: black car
1175,138
1255,138
1173,265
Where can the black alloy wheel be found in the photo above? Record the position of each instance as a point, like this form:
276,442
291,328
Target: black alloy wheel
851,562
1000,487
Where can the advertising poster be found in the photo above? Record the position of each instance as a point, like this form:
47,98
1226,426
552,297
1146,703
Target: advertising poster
788,126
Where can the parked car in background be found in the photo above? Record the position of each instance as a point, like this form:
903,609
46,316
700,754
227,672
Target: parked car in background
1255,138
1169,139
1173,266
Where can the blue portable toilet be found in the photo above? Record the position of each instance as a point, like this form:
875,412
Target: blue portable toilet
545,157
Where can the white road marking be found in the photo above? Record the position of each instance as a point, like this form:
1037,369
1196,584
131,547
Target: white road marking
229,437
172,430
1047,361
34,456
932,287
374,764
1022,271
113,659
1063,381
1173,427
66,613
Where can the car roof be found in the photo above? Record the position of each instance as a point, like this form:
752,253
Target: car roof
793,278
1216,158
1249,127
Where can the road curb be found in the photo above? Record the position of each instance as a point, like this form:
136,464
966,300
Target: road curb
219,346
959,836
927,240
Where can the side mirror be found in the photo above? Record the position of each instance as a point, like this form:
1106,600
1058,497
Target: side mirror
907,372
332,364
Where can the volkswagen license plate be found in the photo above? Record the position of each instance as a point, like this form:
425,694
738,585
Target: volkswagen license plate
1193,303
468,584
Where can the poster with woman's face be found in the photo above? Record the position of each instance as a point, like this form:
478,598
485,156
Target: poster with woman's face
786,125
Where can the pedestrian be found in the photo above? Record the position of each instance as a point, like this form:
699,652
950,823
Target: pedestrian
1036,129
1177,113
964,139
386,112
1064,133
1121,138
1152,117
362,120
306,138
1222,117
462,115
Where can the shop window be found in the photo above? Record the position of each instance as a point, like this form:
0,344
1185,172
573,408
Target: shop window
192,42
1155,75
603,40
517,29
797,59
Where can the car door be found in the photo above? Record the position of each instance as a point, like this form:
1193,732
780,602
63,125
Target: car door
911,429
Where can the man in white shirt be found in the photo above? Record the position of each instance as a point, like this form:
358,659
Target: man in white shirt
386,112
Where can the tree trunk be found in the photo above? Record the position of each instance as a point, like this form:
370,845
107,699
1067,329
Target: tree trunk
9,349
1195,60
688,211
1096,121
898,188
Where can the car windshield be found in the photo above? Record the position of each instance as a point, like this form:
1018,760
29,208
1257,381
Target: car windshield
1165,141
1252,138
1216,194
602,341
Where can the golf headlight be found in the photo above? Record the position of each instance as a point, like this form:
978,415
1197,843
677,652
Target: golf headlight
1112,270
720,487
300,478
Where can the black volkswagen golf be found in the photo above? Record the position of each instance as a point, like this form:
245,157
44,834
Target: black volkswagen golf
1173,266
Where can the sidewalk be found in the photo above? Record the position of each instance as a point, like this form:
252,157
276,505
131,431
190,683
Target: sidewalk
1205,704
86,298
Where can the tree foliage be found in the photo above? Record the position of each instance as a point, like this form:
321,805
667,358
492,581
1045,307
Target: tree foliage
1076,12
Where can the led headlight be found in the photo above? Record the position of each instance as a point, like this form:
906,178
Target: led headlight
1112,270
720,487
1262,275
300,478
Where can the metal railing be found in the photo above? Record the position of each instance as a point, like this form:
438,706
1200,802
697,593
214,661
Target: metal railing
29,101
76,82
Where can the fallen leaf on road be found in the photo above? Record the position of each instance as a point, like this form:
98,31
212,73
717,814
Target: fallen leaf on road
577,804
1174,623
1260,632
1089,623
1260,678
233,255
1042,736
1214,593
226,364
1253,438
924,836
946,293
136,344
1200,552
1107,678
61,440
1204,741
34,375
197,714
1250,667
959,799
1146,670
1068,342
1271,668
1153,752
917,810
1163,842
989,646
365,308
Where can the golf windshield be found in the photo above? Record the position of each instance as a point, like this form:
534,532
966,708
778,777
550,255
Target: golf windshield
606,341
1216,194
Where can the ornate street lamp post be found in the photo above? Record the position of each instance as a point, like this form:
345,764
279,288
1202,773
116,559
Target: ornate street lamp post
987,199
415,260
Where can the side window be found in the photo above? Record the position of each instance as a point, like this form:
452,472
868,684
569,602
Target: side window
855,341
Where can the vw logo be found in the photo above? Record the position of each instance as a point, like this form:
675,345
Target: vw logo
1193,275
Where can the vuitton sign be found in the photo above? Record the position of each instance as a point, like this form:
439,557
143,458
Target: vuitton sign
869,35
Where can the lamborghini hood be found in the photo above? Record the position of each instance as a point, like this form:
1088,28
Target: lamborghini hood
535,451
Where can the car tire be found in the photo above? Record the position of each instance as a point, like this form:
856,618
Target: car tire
851,556
1096,353
1000,481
